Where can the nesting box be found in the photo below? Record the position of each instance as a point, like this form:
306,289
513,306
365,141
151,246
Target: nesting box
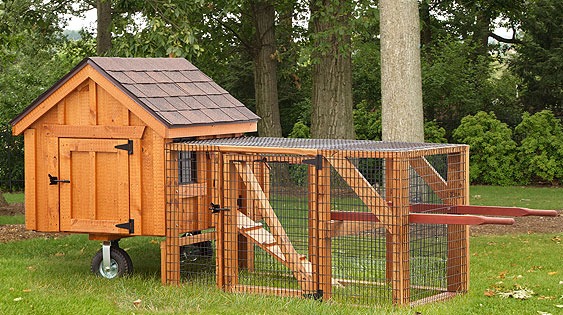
94,142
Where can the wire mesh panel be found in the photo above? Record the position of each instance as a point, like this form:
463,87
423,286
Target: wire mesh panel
189,250
372,225
269,205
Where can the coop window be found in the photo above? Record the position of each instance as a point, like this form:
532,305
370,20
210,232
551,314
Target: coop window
187,167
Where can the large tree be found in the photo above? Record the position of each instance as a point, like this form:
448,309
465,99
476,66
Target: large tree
401,87
331,99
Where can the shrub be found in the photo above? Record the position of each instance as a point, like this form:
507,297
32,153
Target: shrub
540,153
433,133
493,152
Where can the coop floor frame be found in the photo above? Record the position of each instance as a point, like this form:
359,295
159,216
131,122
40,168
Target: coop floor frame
231,199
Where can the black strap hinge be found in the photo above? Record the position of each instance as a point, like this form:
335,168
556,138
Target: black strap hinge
127,147
316,162
128,226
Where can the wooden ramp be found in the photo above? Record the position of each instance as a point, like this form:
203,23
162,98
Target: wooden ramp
255,232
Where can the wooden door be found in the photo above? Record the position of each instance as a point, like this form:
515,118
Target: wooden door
97,197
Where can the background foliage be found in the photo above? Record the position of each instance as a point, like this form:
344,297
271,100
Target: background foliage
467,68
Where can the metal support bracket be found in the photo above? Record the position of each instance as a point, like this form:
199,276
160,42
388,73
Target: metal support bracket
106,259
316,162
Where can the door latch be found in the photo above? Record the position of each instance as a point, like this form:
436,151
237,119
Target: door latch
53,180
217,208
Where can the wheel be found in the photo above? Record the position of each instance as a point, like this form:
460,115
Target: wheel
120,264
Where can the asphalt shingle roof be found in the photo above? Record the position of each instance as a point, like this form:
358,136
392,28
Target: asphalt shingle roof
174,90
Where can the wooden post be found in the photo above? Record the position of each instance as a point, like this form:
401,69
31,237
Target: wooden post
217,178
172,250
230,227
324,239
399,231
458,235
389,248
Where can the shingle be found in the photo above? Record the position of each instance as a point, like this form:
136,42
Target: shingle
191,102
196,116
233,100
215,114
177,102
176,76
147,103
196,76
139,77
160,103
134,89
233,114
190,89
218,87
159,77
221,101
120,77
206,88
247,113
151,90
206,102
174,118
171,89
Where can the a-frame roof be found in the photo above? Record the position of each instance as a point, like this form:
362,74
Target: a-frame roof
172,90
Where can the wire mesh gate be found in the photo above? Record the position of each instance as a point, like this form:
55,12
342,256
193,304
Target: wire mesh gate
316,219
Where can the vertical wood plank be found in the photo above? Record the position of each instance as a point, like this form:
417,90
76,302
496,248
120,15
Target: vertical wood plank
313,233
30,179
230,228
123,186
52,162
458,235
389,246
61,112
65,190
400,232
159,203
219,218
92,103
135,180
172,215
92,183
324,240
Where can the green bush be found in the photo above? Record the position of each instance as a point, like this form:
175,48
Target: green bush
492,150
540,151
433,133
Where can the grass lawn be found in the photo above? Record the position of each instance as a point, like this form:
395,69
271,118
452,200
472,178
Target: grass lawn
14,197
52,276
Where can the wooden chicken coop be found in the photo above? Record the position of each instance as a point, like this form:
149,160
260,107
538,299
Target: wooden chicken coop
123,147
95,145
350,221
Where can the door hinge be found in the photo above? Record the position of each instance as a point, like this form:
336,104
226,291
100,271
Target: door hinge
128,226
316,162
127,147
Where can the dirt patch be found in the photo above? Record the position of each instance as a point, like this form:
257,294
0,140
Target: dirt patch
523,225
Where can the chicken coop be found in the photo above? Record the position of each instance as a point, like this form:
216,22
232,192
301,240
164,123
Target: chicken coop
360,222
123,147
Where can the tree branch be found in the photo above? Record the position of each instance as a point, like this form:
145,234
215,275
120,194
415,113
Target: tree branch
501,39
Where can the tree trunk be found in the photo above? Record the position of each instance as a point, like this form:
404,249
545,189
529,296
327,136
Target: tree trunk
103,36
331,99
401,82
265,69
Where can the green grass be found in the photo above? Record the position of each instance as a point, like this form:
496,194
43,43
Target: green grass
15,219
547,198
52,277
14,197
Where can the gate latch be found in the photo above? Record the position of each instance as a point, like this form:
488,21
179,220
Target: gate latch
217,208
53,180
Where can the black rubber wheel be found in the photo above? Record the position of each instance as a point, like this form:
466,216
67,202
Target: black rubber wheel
120,264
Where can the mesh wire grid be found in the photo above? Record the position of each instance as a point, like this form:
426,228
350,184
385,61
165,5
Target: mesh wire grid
304,225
